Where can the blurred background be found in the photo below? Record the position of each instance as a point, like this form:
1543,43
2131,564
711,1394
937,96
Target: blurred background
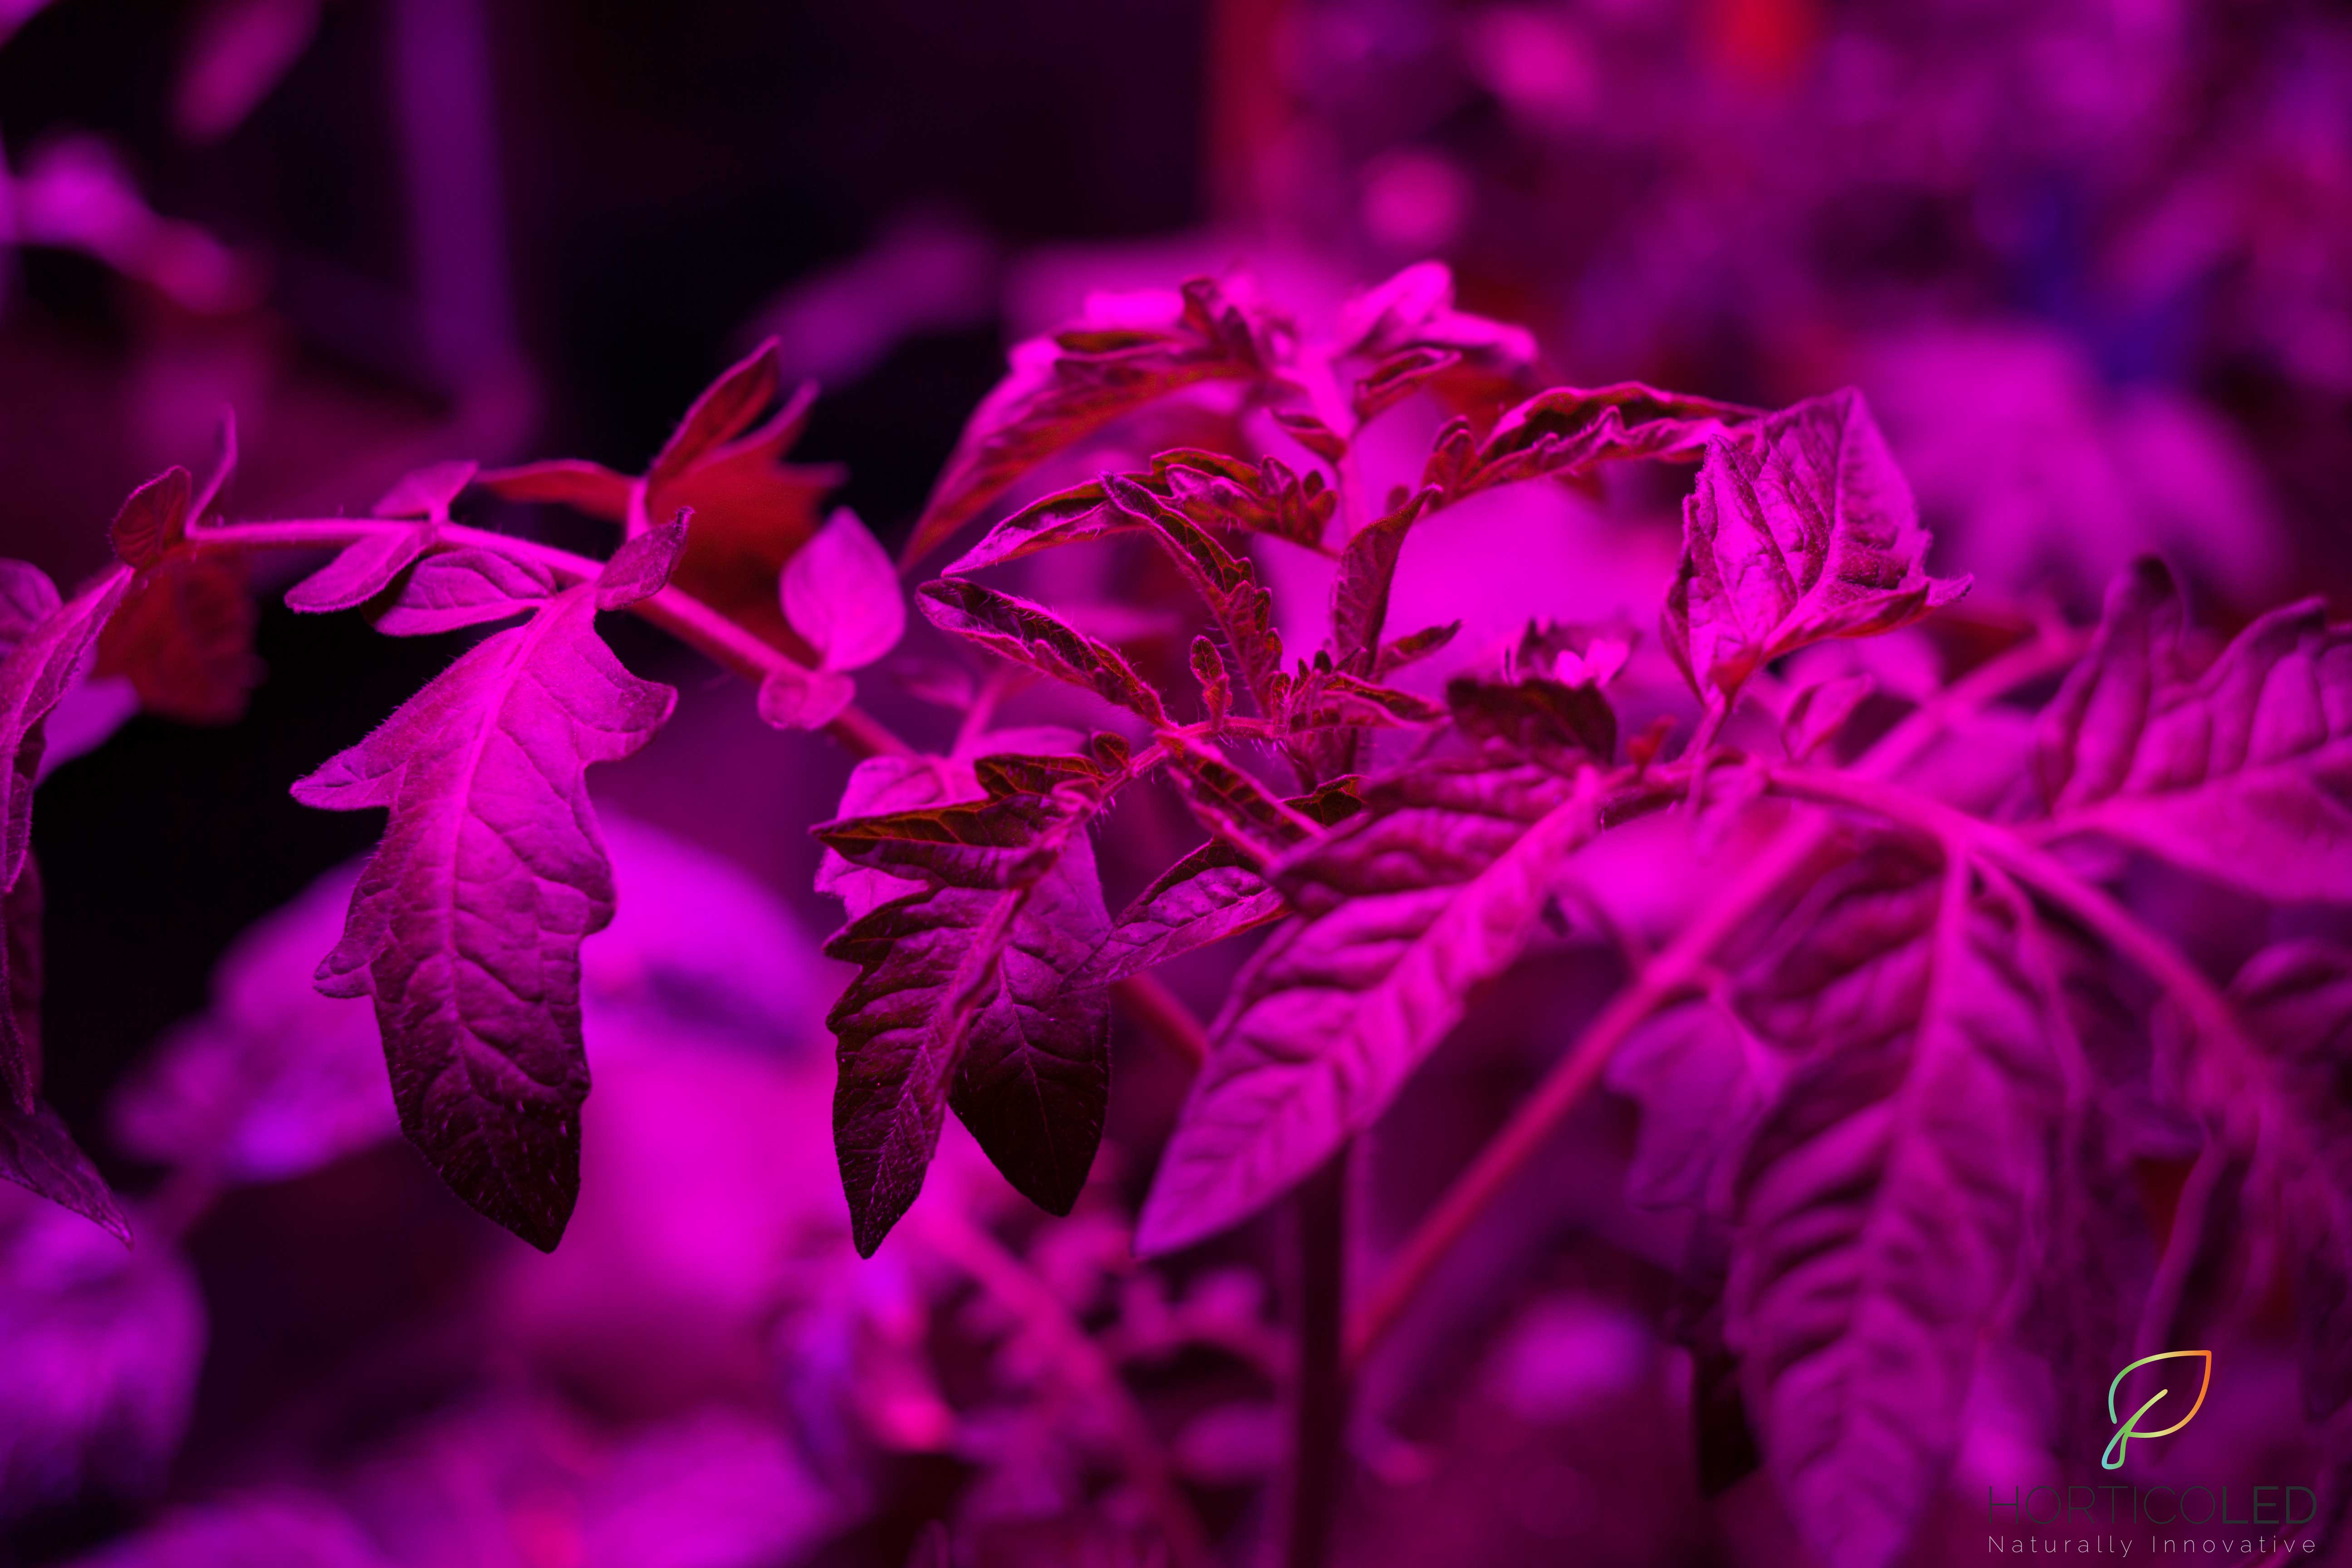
2091,259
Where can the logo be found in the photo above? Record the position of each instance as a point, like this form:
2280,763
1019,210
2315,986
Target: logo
2129,1427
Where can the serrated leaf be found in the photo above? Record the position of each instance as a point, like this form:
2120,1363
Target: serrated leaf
1801,528
963,999
1435,886
361,572
1565,432
1213,489
1126,352
1006,841
1234,807
1817,713
465,926
465,587
1212,893
1310,433
1359,592
2244,772
1226,582
1032,634
751,509
841,593
1217,682
878,786
426,493
1882,1201
1324,698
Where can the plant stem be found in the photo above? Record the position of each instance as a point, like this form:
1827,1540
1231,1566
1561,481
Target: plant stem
1077,1358
1679,967
711,633
1319,1392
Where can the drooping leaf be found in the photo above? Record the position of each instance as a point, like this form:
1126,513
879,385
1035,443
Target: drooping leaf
1032,634
1565,432
1882,1203
841,593
962,1000
39,1156
2243,771
1801,528
1235,809
466,927
1213,489
465,587
1007,840
1127,350
47,642
426,493
1435,886
361,572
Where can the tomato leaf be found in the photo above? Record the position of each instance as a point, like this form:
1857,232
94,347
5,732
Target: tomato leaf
426,493
1882,1203
465,587
1032,634
2243,772
841,593
366,568
1564,432
465,926
1433,887
1414,337
1126,352
642,566
1211,489
1801,528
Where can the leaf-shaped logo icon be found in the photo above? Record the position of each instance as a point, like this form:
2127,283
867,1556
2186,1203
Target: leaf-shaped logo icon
2128,1427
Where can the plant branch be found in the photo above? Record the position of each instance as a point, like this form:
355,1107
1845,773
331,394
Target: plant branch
1679,968
1077,1358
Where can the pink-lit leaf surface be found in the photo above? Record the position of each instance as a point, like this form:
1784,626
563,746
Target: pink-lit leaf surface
364,569
751,509
465,587
1801,528
1126,352
961,999
1409,336
642,566
39,1156
2242,772
426,493
1562,433
1214,893
1817,713
841,593
466,927
1433,887
1563,726
791,698
1701,1080
1226,582
1032,634
1882,1203
1211,489
1236,809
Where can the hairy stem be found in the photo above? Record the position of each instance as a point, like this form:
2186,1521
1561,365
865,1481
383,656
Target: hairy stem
1680,967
